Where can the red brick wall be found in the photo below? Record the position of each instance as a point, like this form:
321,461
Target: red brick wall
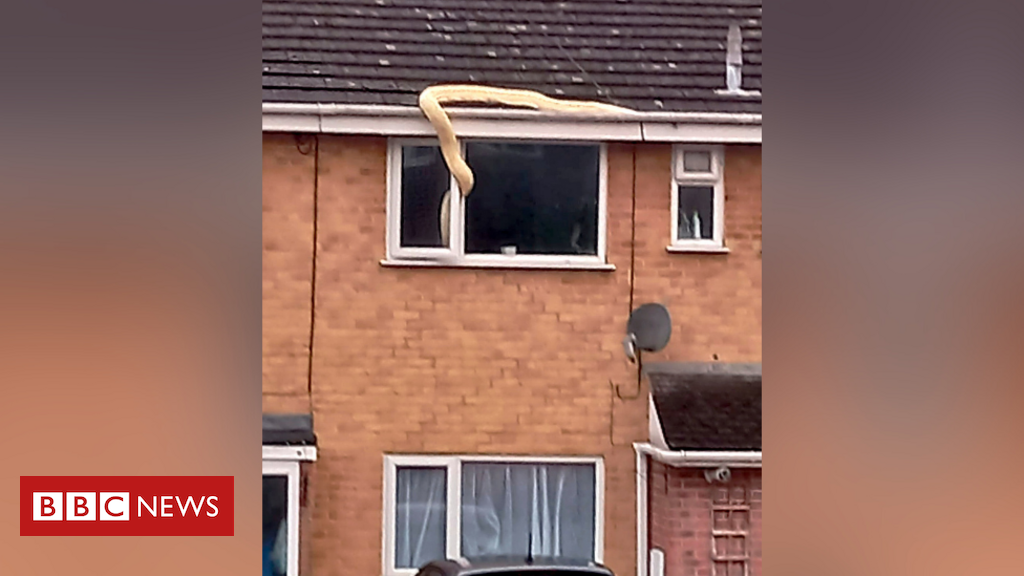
413,360
287,268
680,517
715,299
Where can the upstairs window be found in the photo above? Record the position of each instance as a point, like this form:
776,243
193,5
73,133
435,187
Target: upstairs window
698,199
532,205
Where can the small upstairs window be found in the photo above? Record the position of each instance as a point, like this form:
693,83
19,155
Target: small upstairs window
698,199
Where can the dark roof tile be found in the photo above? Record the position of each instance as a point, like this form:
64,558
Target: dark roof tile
644,54
711,406
288,429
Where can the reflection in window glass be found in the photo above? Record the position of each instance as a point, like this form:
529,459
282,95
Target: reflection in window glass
695,218
697,161
275,530
508,509
421,516
425,179
532,199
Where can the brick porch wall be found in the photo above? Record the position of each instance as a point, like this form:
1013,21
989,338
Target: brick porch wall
680,517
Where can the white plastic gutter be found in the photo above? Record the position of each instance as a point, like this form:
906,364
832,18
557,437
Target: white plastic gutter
386,111
700,458
677,459
383,120
290,453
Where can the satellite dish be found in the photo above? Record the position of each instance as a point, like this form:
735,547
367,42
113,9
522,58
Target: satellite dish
649,329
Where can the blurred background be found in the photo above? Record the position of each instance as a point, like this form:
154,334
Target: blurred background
130,266
129,277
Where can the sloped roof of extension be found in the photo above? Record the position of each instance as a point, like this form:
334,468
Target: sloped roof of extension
708,406
649,55
288,430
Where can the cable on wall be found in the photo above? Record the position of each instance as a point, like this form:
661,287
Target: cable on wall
306,148
632,279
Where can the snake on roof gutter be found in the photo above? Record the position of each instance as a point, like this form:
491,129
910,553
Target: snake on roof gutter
433,98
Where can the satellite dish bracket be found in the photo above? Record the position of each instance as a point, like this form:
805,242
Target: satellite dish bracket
639,376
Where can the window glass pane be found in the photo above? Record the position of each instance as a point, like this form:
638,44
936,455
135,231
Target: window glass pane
697,161
425,180
275,528
421,516
532,199
696,213
511,508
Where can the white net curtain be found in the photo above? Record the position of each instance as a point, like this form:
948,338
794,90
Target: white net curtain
506,509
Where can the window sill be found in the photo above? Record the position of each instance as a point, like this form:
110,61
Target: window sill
499,264
698,249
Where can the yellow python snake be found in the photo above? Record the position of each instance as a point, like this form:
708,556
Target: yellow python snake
433,98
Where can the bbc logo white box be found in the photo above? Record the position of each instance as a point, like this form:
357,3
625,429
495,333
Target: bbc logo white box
48,506
114,506
80,506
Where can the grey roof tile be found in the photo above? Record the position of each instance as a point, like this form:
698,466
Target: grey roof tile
709,406
288,429
646,54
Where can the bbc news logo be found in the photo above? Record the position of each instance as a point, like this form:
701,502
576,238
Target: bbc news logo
127,506
114,506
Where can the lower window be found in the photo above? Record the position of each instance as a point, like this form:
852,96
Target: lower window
280,518
473,507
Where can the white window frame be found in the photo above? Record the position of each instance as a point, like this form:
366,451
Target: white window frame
453,464
716,179
289,469
289,453
455,254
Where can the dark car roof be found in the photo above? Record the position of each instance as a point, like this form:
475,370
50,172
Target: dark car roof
497,564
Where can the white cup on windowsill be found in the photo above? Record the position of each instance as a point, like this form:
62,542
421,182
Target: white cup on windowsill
508,250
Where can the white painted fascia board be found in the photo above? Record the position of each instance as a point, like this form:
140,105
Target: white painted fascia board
284,117
290,453
682,132
700,458
483,128
305,123
383,111
504,123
